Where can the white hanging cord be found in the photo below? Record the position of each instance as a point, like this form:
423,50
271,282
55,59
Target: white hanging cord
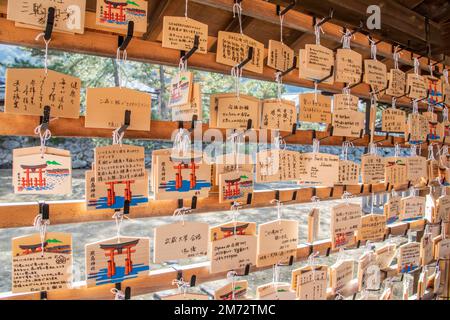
117,137
181,212
47,42
445,113
316,146
430,108
373,48
235,210
181,143
236,72
279,208
231,276
281,27
397,150
121,59
317,31
118,217
41,225
276,277
236,140
346,90
416,66
394,102
345,146
347,196
431,152
279,143
413,150
415,106
182,285
316,92
430,67
445,75
279,81
346,39
186,9
373,149
118,294
412,191
44,136
396,57
237,10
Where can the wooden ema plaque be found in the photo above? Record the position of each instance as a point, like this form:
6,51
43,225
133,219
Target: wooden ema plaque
318,169
397,83
344,102
106,107
318,60
111,195
116,260
392,209
430,208
341,273
441,248
226,292
235,186
426,249
117,14
393,120
179,34
349,173
232,49
312,110
277,242
443,208
348,123
278,115
385,255
348,66
181,240
367,270
69,14
280,56
373,227
228,163
375,74
417,169
36,173
416,86
178,177
396,173
434,86
181,89
188,111
34,269
372,168
232,246
277,291
28,91
412,208
310,282
345,220
277,165
408,257
445,90
119,163
230,112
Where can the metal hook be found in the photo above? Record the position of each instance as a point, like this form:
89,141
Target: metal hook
124,42
186,55
50,23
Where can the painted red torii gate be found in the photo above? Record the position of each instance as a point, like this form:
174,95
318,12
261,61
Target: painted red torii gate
114,249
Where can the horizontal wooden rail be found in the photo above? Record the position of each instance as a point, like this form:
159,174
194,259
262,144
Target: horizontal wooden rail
103,44
160,280
23,125
65,212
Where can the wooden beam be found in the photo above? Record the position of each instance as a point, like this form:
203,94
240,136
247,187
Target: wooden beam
159,280
155,20
15,215
23,125
102,44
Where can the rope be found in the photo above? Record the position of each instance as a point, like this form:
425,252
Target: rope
41,225
416,66
316,146
118,294
186,9
373,49
45,51
346,39
396,57
317,30
237,10
236,72
44,137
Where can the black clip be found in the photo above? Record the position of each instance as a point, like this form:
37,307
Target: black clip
124,42
427,97
294,66
361,80
249,198
186,55
330,134
358,244
314,193
406,94
384,89
388,185
311,249
193,203
327,77
127,292
45,118
246,271
246,60
43,295
331,192
44,210
328,251
126,122
193,123
361,190
126,207
285,10
324,20
408,227
50,23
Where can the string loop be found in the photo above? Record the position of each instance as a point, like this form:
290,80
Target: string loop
41,225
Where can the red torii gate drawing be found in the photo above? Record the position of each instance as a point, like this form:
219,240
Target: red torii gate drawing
178,176
29,181
114,5
229,191
115,249
112,194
